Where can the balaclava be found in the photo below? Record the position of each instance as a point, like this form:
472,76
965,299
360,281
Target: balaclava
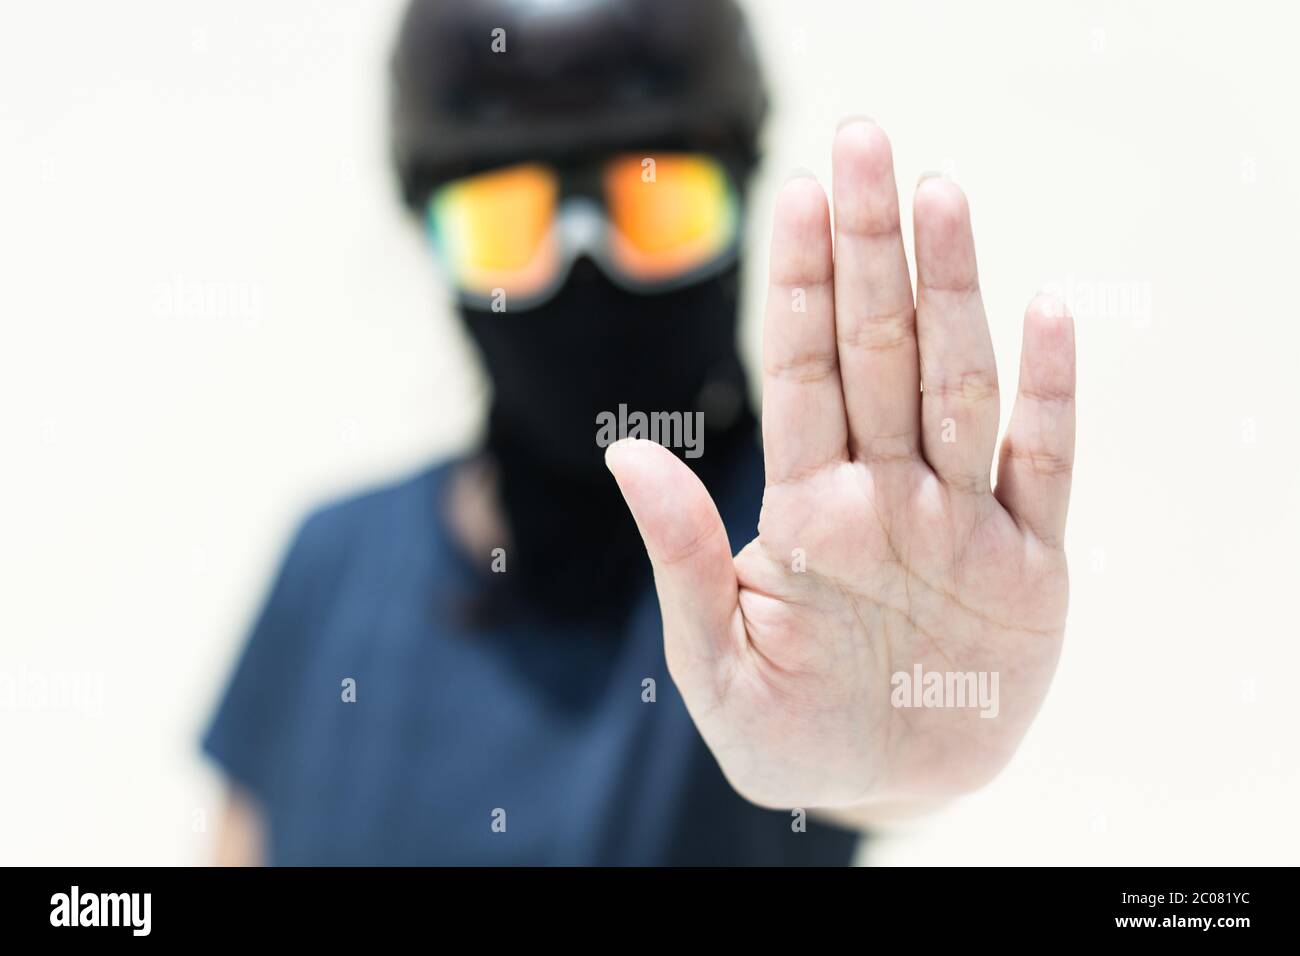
554,369
578,79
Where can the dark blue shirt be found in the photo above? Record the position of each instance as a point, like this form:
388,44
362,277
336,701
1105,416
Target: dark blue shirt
456,726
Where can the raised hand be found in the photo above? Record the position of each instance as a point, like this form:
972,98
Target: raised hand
882,544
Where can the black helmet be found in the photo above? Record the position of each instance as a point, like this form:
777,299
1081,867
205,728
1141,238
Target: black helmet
481,83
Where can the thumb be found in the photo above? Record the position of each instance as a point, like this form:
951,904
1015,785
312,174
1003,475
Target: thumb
687,543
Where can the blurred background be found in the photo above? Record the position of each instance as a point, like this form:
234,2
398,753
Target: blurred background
216,315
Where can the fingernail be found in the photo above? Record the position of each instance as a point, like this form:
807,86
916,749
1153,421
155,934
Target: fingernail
1056,307
855,118
930,174
800,172
610,449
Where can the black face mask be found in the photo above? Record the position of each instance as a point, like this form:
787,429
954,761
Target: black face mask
589,350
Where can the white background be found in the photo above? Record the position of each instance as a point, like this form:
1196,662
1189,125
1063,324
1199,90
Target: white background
215,315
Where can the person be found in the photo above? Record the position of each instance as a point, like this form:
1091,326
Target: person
477,664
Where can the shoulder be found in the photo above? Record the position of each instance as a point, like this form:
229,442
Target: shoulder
403,504
390,525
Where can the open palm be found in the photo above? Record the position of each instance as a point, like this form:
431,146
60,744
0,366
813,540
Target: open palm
884,554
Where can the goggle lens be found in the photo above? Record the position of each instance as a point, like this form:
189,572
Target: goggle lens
495,229
670,213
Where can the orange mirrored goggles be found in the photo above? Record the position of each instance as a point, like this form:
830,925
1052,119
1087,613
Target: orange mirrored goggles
652,222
